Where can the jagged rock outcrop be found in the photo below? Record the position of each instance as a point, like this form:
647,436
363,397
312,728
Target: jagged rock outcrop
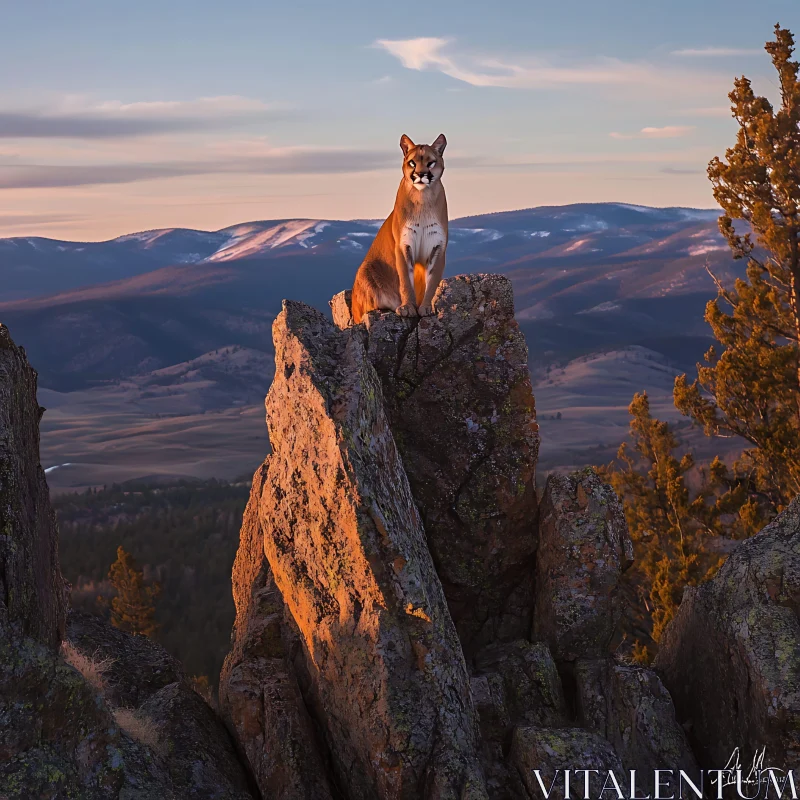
584,549
731,656
347,551
401,474
60,736
459,400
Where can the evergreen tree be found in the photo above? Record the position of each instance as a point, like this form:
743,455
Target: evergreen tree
133,608
676,514
752,388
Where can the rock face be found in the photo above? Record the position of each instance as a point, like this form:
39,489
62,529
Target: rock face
391,639
731,656
31,587
459,401
62,732
259,689
584,549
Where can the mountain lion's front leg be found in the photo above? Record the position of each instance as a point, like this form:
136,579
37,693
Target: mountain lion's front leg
433,277
404,263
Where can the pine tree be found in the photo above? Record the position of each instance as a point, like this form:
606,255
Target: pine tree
133,608
676,513
752,388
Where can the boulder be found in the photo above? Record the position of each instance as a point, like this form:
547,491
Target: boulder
459,402
136,668
514,683
584,547
629,706
170,740
731,656
525,681
551,751
387,681
197,751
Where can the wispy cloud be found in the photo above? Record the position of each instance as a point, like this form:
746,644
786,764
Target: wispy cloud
11,220
716,52
277,161
667,132
442,55
74,119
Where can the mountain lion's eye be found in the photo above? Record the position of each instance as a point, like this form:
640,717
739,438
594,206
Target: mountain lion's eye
412,164
431,164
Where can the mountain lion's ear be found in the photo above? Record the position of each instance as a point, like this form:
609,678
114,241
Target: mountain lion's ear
440,144
406,144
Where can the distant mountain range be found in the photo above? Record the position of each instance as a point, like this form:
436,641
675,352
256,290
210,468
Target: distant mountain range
144,311
587,277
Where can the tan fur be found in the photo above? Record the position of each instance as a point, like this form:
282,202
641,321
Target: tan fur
405,263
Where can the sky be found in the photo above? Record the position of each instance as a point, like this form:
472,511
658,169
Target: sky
117,117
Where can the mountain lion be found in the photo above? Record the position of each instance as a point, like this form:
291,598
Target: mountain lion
405,263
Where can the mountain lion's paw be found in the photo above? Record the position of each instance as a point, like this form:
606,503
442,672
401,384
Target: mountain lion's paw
407,310
426,311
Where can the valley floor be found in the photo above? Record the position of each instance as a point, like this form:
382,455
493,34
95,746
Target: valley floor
133,430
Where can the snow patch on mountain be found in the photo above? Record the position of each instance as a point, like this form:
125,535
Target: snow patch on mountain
250,239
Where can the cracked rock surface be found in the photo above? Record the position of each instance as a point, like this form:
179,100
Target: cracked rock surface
460,405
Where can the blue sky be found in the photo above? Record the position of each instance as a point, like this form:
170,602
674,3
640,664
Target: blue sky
122,117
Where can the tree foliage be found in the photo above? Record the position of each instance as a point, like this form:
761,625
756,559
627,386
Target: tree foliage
751,388
677,514
133,607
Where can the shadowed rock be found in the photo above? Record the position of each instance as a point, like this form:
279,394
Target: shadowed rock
136,668
459,401
731,656
198,753
584,547
345,544
630,707
553,750
524,682
32,596
513,684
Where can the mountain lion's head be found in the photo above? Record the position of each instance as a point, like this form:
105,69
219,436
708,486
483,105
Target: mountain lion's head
423,164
